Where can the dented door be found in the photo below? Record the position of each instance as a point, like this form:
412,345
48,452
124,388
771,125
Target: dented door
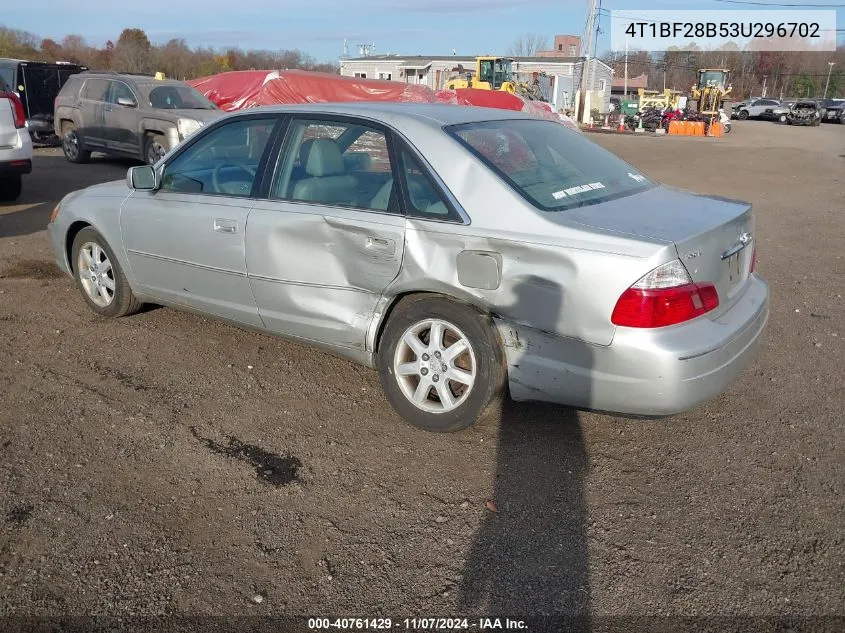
317,272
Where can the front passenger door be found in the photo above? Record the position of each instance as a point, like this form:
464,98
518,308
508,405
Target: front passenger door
185,242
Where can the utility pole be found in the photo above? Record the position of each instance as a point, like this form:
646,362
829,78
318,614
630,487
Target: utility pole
626,66
591,20
827,84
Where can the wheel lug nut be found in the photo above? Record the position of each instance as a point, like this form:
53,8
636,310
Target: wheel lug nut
435,378
444,368
424,371
437,354
425,357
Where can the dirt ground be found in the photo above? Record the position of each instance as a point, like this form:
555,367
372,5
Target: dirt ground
167,464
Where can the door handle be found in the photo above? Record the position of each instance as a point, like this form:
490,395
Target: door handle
222,225
379,244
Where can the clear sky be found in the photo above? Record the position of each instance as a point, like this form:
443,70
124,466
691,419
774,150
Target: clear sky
318,27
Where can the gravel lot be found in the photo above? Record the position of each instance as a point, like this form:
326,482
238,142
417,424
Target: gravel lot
134,454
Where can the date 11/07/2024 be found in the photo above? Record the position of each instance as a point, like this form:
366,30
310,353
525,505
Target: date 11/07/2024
416,624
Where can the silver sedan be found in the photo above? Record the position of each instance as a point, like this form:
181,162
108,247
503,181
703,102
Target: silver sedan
467,254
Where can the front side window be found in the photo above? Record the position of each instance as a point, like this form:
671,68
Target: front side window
336,164
119,90
223,162
552,167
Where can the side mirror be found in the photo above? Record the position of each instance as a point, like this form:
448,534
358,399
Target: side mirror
124,101
142,178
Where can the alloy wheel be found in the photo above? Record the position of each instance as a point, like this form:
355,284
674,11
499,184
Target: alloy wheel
435,366
95,273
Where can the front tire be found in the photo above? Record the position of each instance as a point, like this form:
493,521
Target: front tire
10,188
155,147
100,278
441,364
742,115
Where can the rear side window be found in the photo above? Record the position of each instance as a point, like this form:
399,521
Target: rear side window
7,73
95,89
550,166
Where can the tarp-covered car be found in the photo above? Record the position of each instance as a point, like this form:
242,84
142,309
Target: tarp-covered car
237,90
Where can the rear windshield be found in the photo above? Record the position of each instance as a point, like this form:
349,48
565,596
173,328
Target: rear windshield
171,97
551,166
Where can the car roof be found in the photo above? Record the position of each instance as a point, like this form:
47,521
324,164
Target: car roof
138,79
436,113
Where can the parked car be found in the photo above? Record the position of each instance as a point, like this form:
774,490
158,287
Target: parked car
127,115
465,253
777,113
753,108
805,112
37,84
834,111
15,144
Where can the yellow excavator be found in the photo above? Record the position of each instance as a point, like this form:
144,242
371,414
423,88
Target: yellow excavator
708,96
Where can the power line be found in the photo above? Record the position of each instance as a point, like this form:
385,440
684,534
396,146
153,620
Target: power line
783,4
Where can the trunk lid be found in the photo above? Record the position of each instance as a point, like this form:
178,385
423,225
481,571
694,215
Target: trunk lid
714,236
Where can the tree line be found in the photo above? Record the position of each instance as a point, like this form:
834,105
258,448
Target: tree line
134,53
784,74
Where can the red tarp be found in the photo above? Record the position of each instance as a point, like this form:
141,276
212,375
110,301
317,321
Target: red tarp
237,90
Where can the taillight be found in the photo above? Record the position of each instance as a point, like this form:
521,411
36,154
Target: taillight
665,296
753,259
17,107
54,213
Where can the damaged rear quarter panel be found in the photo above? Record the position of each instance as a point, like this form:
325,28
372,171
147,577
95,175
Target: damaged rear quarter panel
555,277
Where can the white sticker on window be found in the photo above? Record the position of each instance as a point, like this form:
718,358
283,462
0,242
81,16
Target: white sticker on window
583,188
557,195
636,177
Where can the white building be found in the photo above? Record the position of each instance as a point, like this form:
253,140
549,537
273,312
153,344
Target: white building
434,71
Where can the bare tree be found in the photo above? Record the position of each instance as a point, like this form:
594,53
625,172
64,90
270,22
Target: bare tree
528,44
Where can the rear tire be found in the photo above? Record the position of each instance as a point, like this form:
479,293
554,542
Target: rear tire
431,383
10,188
72,145
100,278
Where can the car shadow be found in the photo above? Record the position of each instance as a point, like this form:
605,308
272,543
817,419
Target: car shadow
51,179
530,557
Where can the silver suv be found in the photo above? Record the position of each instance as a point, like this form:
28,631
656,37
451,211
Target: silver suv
127,115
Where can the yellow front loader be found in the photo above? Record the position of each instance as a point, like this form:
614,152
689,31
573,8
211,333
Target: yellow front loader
710,92
491,73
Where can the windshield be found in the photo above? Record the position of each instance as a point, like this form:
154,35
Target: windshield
552,167
713,78
174,97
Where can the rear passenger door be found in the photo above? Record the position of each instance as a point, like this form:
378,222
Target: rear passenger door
329,238
92,108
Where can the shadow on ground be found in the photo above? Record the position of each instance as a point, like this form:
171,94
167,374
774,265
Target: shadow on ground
52,178
530,556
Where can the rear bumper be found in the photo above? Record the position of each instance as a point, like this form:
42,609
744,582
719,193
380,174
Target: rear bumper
643,372
15,167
